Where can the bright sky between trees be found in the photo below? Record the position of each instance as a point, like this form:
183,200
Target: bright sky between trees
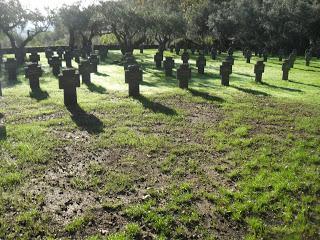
52,4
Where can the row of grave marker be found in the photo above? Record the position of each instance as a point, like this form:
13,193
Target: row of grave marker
69,78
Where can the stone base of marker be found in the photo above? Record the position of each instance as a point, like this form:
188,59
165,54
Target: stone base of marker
184,75
134,76
69,80
168,65
33,72
225,71
259,70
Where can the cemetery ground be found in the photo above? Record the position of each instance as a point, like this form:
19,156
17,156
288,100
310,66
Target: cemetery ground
210,162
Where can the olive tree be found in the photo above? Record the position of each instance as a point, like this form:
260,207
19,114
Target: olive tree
21,25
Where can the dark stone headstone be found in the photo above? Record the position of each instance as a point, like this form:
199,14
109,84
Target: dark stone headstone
158,58
141,47
230,51
193,50
201,63
103,52
85,69
60,52
134,76
281,54
184,75
33,72
185,57
171,48
213,53
225,71
76,54
259,70
34,57
11,65
55,63
168,65
129,59
230,59
248,55
265,55
177,50
94,60
285,69
308,58
68,56
292,59
69,80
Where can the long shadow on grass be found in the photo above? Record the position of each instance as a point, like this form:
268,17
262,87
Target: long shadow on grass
205,95
155,106
95,88
39,94
251,91
282,88
305,84
85,121
101,74
307,70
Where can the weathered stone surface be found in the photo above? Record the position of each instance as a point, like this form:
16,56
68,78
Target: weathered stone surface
259,70
33,72
69,80
11,66
185,57
60,52
158,58
225,71
285,69
134,76
129,59
168,65
141,47
177,49
85,70
103,52
76,54
184,75
230,59
201,63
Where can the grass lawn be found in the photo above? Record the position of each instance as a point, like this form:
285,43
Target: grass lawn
211,162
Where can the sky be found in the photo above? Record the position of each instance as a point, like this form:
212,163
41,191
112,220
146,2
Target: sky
52,4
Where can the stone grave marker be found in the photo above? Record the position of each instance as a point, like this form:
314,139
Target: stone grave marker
55,63
34,57
94,60
230,51
185,57
308,58
68,56
134,76
158,58
11,67
248,55
69,80
85,70
168,65
60,52
33,72
281,54
177,49
225,73
259,70
285,69
201,63
141,47
213,53
265,55
184,75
